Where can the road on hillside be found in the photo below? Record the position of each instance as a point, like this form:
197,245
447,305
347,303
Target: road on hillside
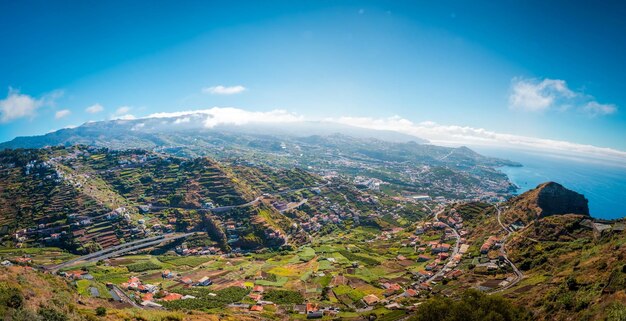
214,209
138,244
125,297
113,248
253,202
290,207
444,157
518,274
119,249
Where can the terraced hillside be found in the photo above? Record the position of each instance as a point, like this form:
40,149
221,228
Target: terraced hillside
572,271
574,266
84,198
146,178
276,180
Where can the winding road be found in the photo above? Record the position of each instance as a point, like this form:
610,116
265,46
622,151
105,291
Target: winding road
518,274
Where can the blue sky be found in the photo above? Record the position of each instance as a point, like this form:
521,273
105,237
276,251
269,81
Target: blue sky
536,69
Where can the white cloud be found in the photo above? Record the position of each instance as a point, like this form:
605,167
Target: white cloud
596,109
125,117
62,113
122,113
532,95
232,116
94,109
122,110
182,120
224,90
18,105
138,126
536,96
464,135
450,135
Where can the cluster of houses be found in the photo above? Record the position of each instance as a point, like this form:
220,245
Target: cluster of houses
146,229
149,294
491,243
76,275
368,182
76,226
486,265
329,212
314,311
256,295
235,229
42,170
22,261
487,190
184,250
440,249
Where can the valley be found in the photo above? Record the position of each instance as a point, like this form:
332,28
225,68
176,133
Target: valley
133,229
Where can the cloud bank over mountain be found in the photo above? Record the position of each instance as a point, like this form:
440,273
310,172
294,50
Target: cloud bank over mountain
436,133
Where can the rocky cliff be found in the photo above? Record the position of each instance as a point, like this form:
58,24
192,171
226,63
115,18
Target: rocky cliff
553,199
546,199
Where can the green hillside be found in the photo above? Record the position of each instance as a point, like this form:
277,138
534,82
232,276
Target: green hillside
84,198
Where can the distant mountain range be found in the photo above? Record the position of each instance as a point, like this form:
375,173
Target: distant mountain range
188,134
153,132
321,147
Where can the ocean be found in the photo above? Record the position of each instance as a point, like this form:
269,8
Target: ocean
603,184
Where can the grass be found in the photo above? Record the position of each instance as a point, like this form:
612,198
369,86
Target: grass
534,279
306,254
340,258
305,276
324,281
389,315
324,265
280,281
325,249
284,271
111,274
83,286
370,274
353,294
143,266
42,255
191,261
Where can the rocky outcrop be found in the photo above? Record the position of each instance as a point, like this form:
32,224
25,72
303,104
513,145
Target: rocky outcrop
553,199
545,200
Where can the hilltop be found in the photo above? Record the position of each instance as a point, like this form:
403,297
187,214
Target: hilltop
573,265
545,200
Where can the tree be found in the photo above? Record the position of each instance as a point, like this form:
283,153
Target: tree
15,300
101,311
472,306
50,314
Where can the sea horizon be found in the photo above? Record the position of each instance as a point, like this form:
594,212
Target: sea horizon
601,183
